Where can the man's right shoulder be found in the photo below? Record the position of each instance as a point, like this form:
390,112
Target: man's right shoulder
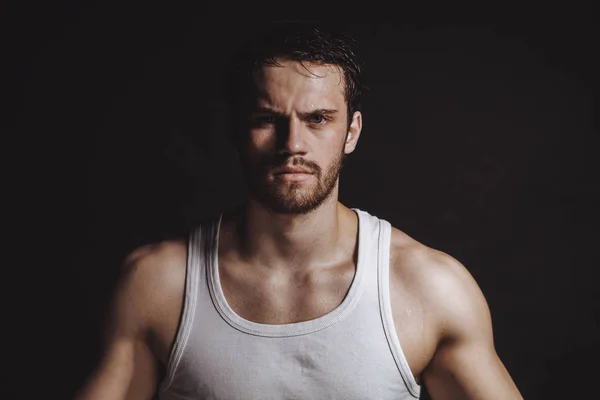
167,254
156,271
151,286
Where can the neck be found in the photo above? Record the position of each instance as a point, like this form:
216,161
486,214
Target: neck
284,241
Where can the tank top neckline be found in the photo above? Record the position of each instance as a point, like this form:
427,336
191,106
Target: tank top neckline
295,328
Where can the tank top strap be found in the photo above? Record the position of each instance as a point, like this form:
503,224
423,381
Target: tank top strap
201,241
383,277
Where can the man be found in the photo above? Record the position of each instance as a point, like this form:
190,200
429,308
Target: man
292,294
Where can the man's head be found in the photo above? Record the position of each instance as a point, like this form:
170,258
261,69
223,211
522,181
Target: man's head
294,96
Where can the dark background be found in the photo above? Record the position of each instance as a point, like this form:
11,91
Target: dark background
479,139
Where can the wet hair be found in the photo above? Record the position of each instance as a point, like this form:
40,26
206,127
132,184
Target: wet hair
295,41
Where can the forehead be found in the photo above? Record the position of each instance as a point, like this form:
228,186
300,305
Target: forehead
304,85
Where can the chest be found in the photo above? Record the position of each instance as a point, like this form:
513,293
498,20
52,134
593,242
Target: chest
277,297
321,357
307,297
287,299
328,364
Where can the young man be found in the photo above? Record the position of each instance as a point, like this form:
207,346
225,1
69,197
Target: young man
294,295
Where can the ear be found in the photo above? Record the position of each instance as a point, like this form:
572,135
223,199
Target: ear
353,133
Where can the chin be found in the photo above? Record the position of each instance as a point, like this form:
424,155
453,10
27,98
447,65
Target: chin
292,208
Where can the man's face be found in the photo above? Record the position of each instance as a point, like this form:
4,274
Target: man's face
297,119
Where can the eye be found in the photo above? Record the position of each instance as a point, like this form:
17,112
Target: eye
267,119
317,119
262,120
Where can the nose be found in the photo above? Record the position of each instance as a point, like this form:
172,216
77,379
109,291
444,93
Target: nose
291,137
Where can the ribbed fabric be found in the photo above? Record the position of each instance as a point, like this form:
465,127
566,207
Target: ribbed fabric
352,352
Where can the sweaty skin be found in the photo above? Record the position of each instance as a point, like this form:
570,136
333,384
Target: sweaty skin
289,255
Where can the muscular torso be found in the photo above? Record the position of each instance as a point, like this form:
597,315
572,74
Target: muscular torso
281,297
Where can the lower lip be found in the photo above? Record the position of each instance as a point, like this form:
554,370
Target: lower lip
296,177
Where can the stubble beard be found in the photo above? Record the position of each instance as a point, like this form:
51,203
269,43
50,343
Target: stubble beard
293,197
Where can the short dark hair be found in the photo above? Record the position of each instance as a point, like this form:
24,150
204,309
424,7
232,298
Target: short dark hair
296,41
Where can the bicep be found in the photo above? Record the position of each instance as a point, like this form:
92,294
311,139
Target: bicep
126,371
465,364
468,371
127,368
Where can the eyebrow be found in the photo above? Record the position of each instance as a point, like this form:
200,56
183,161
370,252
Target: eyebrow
319,111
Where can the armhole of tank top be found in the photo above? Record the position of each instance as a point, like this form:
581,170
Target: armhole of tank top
188,307
385,309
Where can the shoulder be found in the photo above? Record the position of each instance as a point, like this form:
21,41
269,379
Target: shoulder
446,289
422,266
152,276
155,257
156,262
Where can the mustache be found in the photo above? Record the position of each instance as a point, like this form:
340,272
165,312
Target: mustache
278,162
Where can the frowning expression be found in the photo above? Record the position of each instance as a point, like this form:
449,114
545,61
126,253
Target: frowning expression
297,135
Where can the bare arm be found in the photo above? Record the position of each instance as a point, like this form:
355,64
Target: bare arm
128,369
465,364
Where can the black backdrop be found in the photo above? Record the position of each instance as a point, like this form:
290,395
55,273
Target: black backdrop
479,140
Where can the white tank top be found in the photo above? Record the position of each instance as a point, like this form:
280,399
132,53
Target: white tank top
352,352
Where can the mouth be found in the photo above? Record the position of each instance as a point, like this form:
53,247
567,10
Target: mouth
291,170
293,176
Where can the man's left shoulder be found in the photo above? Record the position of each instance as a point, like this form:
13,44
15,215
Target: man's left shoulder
435,276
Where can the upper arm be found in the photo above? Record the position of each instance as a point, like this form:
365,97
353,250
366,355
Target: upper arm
465,364
128,368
